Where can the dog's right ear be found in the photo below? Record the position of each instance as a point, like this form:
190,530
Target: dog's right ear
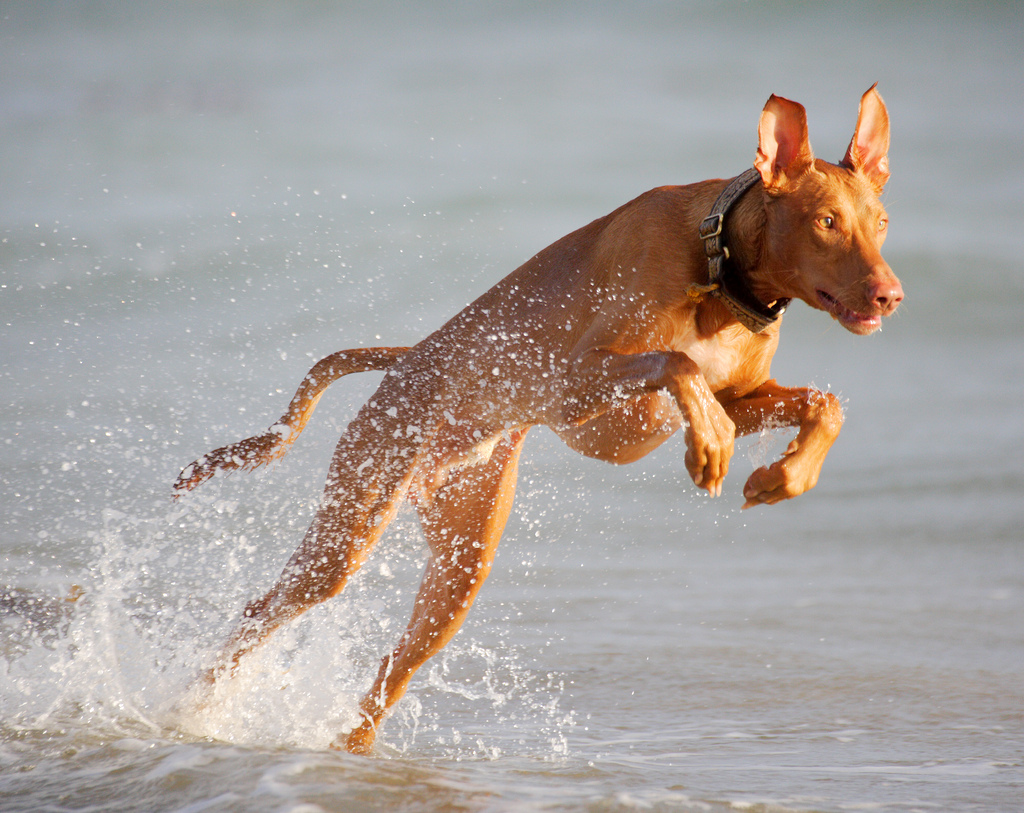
783,150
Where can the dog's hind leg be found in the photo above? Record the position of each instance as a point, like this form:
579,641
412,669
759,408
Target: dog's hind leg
463,521
366,483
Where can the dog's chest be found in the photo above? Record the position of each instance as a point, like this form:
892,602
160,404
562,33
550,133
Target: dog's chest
731,358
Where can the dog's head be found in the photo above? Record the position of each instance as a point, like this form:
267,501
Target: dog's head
825,222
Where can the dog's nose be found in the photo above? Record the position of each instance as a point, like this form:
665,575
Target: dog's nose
886,295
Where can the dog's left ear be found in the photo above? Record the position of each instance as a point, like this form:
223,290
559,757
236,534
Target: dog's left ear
869,149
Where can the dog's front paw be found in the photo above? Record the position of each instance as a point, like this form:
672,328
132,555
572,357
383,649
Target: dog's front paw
786,478
710,438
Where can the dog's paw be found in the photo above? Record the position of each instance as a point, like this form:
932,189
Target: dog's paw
708,452
784,479
360,740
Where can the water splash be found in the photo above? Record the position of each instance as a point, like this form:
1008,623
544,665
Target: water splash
162,591
761,452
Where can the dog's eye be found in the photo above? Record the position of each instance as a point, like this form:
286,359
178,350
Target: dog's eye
826,222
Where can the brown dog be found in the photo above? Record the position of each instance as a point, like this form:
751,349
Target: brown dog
651,319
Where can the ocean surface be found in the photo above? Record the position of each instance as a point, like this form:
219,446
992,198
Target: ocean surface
198,201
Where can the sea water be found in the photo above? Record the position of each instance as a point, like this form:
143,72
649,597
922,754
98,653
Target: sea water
201,201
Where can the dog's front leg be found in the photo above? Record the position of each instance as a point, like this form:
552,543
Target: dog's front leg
819,416
602,379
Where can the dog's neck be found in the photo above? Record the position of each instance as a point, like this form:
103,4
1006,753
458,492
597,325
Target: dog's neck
748,280
744,232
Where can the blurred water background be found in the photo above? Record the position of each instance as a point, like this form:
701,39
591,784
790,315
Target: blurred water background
201,199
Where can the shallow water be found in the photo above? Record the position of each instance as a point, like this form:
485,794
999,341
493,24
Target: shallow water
199,202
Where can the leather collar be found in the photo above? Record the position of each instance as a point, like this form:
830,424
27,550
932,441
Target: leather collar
725,280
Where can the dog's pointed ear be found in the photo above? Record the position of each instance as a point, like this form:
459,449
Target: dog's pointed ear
869,149
783,150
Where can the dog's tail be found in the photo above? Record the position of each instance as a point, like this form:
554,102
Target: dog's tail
253,452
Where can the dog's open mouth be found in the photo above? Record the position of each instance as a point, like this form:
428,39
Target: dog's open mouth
850,319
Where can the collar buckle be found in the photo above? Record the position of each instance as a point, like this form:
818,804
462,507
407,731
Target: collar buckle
711,226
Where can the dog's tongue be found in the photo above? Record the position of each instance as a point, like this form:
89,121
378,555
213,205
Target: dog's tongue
850,319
